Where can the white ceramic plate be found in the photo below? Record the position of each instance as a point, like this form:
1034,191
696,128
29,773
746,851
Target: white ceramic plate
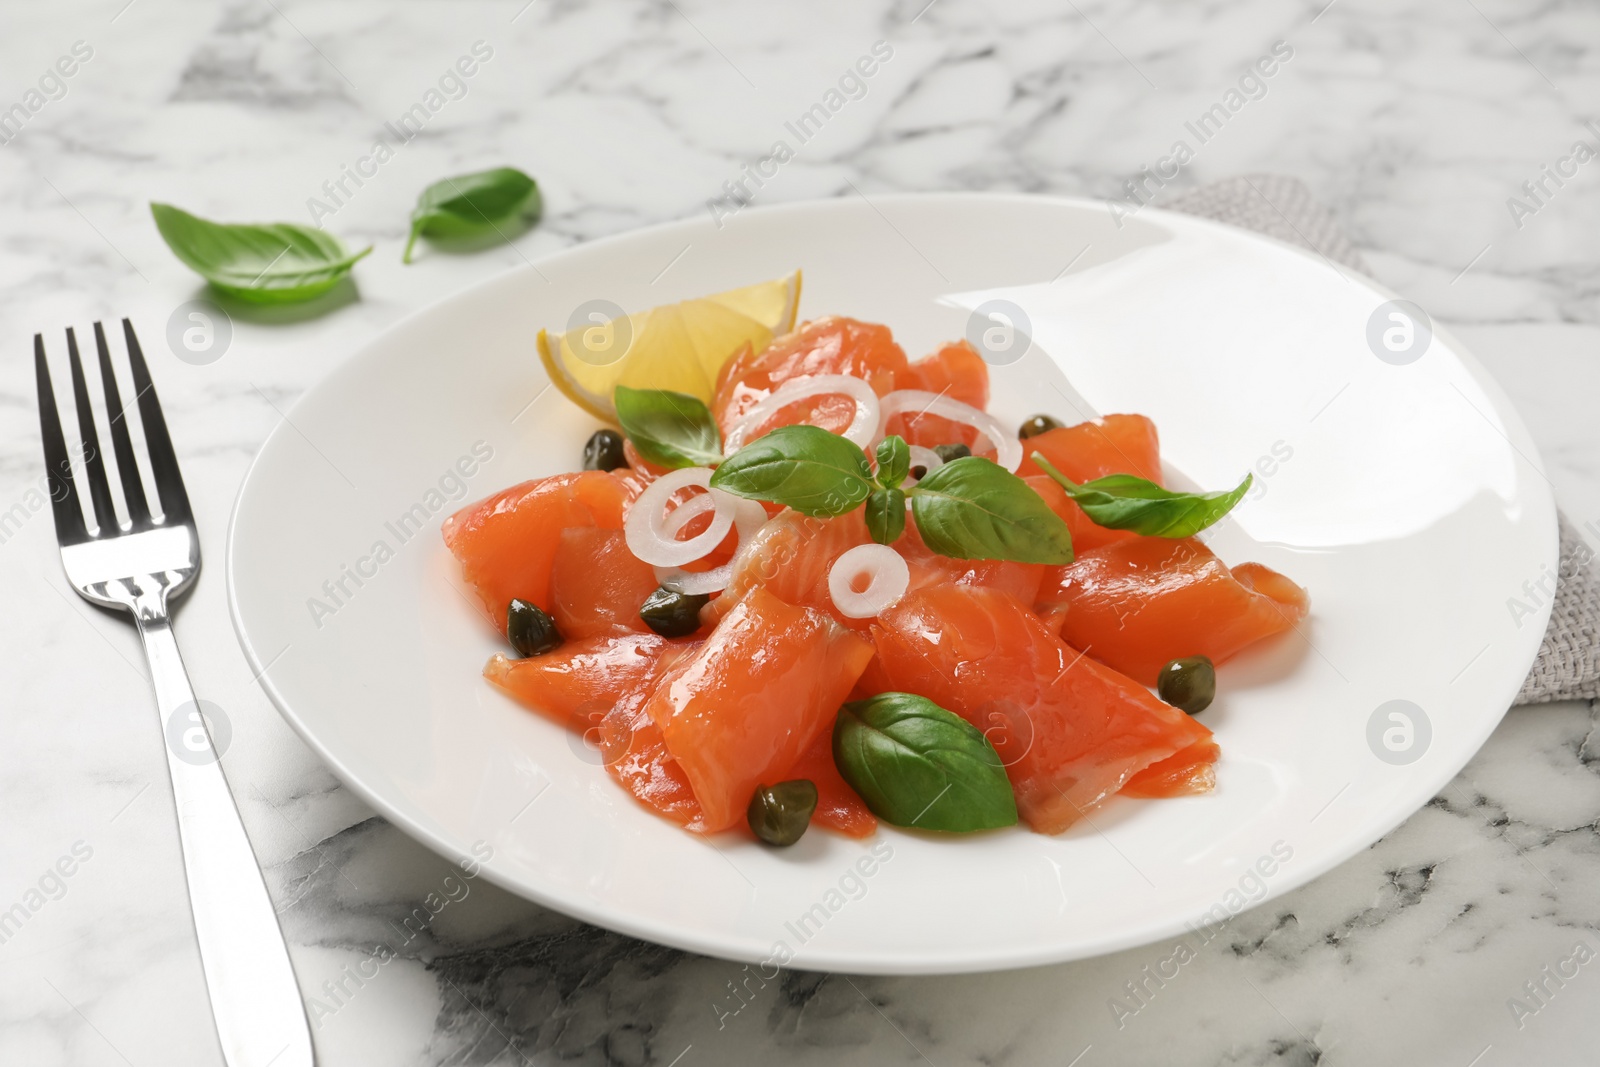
1403,496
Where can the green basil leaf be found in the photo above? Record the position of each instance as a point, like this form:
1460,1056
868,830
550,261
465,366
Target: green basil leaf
669,429
1128,502
475,205
974,509
269,263
803,467
886,515
916,764
894,461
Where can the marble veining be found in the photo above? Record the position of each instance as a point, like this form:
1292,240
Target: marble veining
1458,939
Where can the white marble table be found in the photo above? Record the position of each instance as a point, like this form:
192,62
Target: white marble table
1415,120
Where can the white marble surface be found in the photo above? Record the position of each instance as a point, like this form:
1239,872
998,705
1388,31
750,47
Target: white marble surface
1415,120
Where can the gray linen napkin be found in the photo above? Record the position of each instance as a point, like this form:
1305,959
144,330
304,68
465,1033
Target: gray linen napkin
1568,667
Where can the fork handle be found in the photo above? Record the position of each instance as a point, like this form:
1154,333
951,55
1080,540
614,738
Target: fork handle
254,998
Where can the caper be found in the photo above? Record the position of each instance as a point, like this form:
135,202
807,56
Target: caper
671,613
779,814
1038,425
603,451
950,453
1188,684
530,629
919,472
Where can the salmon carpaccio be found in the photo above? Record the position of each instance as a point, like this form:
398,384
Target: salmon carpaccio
1070,731
1052,664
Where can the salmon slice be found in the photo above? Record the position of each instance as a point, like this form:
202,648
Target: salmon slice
597,585
1137,604
790,558
839,808
750,701
1070,731
1116,444
1192,770
956,371
635,751
1019,580
823,346
569,683
507,543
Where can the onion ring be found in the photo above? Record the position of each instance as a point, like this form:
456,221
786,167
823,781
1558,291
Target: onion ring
863,425
887,576
1007,449
646,526
749,517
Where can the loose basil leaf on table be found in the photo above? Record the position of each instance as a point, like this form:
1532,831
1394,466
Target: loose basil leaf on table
268,263
916,764
474,205
1128,502
668,429
974,509
886,515
803,467
894,461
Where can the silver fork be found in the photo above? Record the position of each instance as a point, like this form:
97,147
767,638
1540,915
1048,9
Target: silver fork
140,567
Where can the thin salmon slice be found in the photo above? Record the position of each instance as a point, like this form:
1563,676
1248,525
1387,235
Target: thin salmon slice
1116,444
1137,604
1190,771
753,699
839,807
832,345
507,543
1019,580
597,585
1070,731
957,371
790,558
572,683
635,751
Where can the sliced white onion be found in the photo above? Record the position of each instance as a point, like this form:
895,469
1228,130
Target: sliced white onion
926,458
1007,449
646,528
863,425
748,518
887,578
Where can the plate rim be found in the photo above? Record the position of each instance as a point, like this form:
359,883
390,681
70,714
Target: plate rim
732,947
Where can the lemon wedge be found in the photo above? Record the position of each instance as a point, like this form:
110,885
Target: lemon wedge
680,346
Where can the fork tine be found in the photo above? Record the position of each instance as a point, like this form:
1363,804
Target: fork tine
64,503
121,442
163,460
94,464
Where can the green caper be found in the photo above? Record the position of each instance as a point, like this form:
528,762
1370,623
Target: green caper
603,451
950,453
779,814
530,629
1188,684
1038,425
673,614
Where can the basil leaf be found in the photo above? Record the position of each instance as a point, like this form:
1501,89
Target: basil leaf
669,429
475,205
1128,502
974,509
269,263
916,764
894,462
886,515
804,467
